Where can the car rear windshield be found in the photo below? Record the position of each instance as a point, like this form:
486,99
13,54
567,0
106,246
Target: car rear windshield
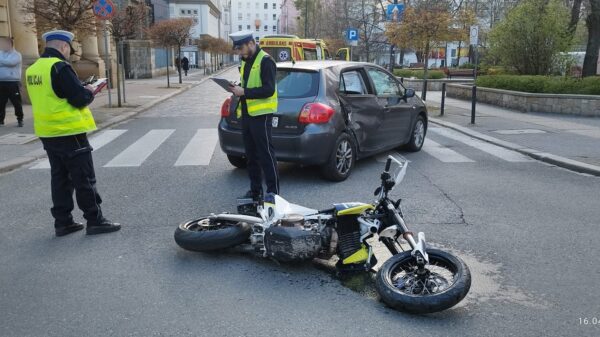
292,83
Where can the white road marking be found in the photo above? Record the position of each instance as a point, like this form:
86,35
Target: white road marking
96,142
139,151
200,149
444,154
519,131
489,148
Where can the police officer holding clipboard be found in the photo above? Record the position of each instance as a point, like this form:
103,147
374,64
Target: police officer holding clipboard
61,119
257,94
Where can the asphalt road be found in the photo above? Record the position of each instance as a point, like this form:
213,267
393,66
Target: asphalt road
527,230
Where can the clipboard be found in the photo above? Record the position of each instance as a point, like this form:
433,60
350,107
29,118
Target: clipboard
223,83
99,84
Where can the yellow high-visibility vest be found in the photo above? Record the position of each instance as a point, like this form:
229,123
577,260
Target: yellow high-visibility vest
53,116
261,106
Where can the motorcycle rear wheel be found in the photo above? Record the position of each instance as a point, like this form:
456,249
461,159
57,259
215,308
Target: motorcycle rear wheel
446,282
203,235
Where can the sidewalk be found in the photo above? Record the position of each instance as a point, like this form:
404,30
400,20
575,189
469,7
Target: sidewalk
19,146
567,141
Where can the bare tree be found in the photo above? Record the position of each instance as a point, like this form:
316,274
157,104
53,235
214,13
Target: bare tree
125,24
171,33
590,61
73,15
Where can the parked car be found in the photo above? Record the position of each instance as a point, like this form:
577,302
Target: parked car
332,113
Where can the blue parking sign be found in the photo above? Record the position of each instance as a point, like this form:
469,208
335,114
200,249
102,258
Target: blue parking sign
352,34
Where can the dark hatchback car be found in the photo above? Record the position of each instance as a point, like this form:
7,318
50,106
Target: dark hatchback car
332,113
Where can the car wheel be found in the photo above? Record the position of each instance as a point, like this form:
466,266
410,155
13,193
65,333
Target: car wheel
342,159
239,162
417,138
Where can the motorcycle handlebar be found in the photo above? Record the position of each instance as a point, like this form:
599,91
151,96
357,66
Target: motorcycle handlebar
388,163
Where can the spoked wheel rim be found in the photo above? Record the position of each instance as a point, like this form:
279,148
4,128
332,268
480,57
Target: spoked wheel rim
344,157
205,224
434,278
419,133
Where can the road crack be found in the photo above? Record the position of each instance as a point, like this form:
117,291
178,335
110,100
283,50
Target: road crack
449,198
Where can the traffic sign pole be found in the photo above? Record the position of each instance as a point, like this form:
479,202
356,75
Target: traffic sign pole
104,10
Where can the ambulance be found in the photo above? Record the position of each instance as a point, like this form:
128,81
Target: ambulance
285,48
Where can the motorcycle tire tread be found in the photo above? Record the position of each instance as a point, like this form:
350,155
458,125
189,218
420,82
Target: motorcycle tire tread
423,304
204,241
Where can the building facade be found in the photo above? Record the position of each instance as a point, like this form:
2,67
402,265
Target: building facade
260,16
208,16
288,19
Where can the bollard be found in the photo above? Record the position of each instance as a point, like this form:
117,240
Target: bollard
402,80
424,92
443,99
473,102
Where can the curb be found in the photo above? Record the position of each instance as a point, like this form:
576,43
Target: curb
15,163
546,157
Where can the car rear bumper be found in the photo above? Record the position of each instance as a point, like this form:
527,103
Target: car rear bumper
311,147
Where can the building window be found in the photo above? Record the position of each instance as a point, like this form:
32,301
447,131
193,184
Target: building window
274,29
239,4
240,27
266,5
183,11
274,5
248,27
248,16
274,17
266,28
240,16
189,11
257,6
258,29
196,11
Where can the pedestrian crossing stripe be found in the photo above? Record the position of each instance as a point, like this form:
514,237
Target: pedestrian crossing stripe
200,148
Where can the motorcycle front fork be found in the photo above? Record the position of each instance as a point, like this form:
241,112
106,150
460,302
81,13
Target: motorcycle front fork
418,245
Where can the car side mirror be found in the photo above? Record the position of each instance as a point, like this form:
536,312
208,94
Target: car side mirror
409,93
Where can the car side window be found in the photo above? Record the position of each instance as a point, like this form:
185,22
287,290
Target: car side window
352,83
385,84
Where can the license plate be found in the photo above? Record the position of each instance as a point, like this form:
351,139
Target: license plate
275,122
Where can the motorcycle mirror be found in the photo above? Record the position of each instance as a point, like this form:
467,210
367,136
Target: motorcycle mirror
377,191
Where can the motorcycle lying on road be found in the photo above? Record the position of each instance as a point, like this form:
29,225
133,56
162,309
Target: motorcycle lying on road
419,280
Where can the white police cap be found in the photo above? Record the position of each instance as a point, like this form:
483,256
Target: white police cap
241,37
61,35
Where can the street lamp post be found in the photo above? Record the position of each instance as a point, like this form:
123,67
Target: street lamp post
306,18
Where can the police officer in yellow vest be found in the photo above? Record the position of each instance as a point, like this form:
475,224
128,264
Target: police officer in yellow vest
258,101
61,119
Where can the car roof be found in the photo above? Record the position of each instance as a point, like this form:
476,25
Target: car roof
318,65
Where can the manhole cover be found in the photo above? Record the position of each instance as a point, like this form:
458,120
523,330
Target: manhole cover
519,132
17,138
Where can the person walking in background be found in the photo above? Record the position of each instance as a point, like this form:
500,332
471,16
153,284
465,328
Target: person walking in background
62,119
10,79
178,64
185,65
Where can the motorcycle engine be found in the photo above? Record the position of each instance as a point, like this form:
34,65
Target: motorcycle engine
293,239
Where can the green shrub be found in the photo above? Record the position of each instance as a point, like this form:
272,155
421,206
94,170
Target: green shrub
542,84
408,73
466,66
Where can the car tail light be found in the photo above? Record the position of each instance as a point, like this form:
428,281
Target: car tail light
225,107
316,113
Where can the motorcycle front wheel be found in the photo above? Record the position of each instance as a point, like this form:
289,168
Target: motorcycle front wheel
442,283
203,234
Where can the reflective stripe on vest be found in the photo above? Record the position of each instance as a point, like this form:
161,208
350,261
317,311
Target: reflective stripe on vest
261,106
53,116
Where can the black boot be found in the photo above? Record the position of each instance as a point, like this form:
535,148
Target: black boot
20,124
102,227
257,196
68,229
